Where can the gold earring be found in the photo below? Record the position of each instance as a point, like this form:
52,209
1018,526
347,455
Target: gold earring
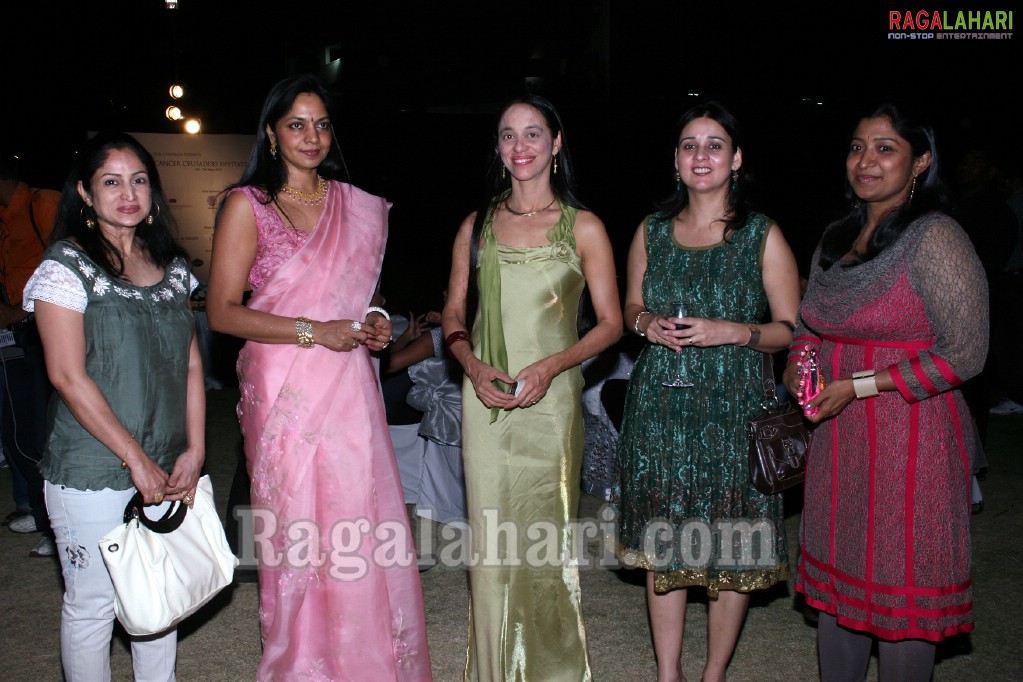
150,218
273,147
912,190
555,164
89,222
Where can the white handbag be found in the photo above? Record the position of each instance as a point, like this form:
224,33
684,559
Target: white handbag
165,570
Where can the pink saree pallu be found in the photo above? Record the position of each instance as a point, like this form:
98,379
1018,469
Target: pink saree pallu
340,597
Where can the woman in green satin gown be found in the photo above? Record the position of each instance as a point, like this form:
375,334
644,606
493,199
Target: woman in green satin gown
682,454
519,266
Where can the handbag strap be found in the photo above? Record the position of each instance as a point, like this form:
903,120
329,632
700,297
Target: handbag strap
767,377
169,522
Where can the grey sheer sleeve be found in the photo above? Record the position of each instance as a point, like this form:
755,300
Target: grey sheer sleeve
947,274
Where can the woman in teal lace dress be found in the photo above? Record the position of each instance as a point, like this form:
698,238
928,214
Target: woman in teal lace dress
683,475
526,256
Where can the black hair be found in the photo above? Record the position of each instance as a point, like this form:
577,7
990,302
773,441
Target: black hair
928,195
497,183
72,212
737,208
267,172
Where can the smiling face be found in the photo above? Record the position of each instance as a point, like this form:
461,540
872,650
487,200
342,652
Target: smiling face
119,191
303,134
881,166
705,157
525,142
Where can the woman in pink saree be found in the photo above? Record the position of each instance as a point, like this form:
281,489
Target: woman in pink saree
340,597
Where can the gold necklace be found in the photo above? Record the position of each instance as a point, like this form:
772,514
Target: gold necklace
529,213
308,198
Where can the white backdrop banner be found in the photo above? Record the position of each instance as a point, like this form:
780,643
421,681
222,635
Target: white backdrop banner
194,170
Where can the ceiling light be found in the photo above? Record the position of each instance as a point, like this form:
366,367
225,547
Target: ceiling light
176,91
173,113
193,126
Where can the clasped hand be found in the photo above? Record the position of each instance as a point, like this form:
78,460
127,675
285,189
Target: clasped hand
535,380
829,402
698,331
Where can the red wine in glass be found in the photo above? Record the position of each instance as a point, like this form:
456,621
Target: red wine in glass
678,309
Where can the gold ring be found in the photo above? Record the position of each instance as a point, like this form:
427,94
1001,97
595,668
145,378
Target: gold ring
187,499
158,497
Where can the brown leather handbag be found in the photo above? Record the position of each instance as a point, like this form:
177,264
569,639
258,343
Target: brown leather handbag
779,440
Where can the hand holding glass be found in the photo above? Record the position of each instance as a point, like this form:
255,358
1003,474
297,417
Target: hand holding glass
678,309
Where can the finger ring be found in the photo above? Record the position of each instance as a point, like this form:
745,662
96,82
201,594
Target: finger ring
187,499
356,327
692,341
158,497
385,345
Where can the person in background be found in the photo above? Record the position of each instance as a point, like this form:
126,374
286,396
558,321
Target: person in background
26,220
897,309
519,267
683,450
111,301
311,413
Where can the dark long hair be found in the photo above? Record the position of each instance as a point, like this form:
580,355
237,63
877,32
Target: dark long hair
929,195
737,207
268,173
72,212
496,183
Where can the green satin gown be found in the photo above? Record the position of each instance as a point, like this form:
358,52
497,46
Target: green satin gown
522,472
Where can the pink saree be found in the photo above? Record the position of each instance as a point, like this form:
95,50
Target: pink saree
340,597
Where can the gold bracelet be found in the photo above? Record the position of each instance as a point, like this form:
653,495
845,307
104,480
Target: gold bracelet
635,323
304,332
124,460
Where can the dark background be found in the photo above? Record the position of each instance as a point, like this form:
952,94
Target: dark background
418,84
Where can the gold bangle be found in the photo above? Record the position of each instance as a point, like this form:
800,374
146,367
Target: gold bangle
304,332
124,460
635,323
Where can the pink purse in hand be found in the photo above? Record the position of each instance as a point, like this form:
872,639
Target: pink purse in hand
811,383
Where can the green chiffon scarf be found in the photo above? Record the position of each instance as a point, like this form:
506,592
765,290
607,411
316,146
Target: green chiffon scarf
493,350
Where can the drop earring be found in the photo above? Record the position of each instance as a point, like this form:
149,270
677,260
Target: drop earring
735,180
89,222
555,164
678,182
273,147
504,172
912,191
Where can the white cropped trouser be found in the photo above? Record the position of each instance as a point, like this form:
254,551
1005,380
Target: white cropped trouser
80,518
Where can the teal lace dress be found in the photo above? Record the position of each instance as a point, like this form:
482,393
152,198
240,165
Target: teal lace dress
686,509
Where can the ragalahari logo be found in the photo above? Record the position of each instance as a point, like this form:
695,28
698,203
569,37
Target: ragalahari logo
925,24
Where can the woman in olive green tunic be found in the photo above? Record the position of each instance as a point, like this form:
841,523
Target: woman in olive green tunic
111,301
682,455
522,434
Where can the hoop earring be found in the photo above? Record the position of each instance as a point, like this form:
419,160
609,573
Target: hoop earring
150,218
555,164
273,147
912,191
89,222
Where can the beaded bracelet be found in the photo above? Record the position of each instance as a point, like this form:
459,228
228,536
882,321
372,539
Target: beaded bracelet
304,332
455,337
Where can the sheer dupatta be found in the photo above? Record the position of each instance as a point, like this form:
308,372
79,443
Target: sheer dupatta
340,595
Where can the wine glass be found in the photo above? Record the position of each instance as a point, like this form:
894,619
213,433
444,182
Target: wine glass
678,309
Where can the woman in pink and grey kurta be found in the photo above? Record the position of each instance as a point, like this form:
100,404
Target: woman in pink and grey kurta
340,597
897,308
